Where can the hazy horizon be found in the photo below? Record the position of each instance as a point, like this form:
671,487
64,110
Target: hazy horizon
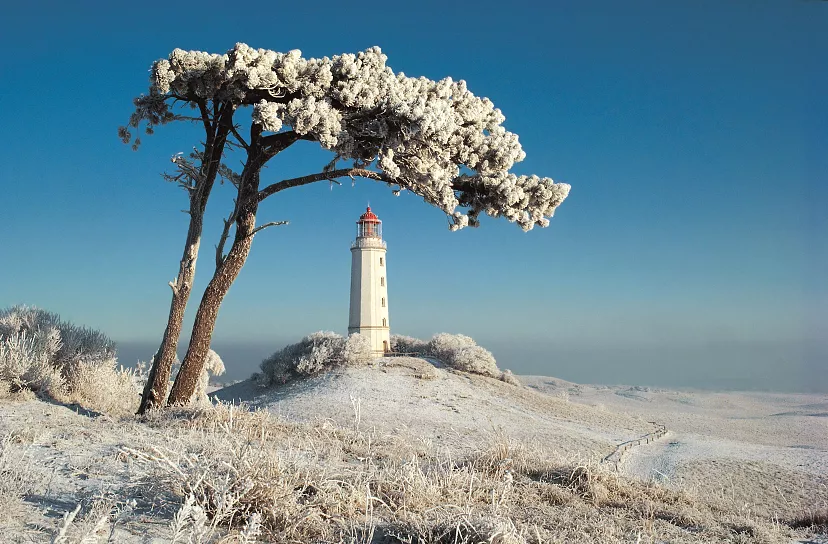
772,367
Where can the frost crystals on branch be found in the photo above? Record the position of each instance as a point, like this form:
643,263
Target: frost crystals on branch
434,138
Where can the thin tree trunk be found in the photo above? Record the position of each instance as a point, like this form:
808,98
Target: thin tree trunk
155,390
205,321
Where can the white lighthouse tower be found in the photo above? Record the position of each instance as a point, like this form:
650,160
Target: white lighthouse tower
369,285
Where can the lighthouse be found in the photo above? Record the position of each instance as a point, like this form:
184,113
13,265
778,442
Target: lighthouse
369,284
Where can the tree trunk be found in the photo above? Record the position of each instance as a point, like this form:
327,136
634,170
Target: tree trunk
155,391
225,275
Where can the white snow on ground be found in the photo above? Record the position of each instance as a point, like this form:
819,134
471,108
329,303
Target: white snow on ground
759,450
73,459
460,411
788,430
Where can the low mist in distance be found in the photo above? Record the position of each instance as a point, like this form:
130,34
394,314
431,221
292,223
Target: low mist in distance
771,366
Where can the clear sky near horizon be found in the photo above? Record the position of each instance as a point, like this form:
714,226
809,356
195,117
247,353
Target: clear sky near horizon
690,252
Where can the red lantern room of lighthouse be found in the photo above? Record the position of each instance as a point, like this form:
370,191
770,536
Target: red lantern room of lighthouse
369,225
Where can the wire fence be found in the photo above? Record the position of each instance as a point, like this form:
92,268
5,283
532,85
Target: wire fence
615,458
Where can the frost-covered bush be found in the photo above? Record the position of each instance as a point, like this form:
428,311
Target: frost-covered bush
445,345
314,354
510,378
357,350
102,386
76,343
407,344
460,352
474,359
83,344
213,366
39,352
26,362
25,318
325,347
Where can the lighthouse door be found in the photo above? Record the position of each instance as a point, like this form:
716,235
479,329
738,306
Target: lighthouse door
385,346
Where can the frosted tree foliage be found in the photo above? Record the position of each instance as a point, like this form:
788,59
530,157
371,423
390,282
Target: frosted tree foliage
433,138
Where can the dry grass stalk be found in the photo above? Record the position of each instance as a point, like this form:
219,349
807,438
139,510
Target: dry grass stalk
319,482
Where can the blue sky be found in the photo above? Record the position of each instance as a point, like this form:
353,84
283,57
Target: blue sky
694,135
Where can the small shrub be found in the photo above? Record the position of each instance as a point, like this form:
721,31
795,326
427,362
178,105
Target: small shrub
408,344
26,362
74,343
462,353
445,345
324,348
83,344
357,350
25,318
314,354
510,378
213,366
457,351
474,359
103,386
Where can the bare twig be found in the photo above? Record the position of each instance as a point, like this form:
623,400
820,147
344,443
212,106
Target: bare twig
238,136
225,233
271,224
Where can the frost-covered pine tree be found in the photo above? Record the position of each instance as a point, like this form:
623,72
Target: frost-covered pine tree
433,138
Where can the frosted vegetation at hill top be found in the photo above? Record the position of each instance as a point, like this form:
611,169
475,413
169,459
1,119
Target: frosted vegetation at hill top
324,350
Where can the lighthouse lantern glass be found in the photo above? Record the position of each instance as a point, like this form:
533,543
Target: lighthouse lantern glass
369,229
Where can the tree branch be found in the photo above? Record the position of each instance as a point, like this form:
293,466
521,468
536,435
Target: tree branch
239,137
305,180
224,234
281,141
271,224
205,117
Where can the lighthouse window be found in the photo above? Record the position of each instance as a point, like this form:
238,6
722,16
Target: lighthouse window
383,302
382,281
381,263
384,322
